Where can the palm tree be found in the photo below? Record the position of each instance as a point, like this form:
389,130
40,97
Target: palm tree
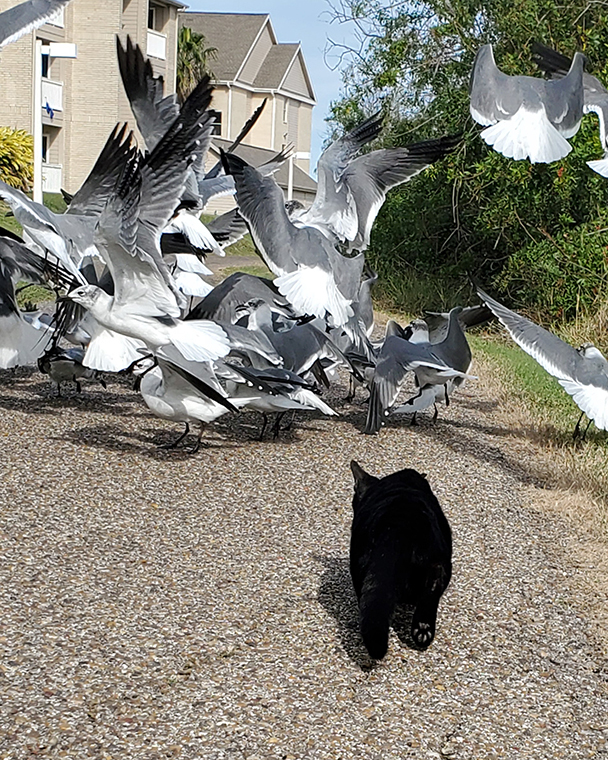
192,61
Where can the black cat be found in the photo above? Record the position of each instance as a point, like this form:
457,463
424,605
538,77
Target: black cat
400,554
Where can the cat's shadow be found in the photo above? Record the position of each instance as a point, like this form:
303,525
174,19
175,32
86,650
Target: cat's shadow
337,596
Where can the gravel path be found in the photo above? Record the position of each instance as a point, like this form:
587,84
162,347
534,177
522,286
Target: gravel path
157,605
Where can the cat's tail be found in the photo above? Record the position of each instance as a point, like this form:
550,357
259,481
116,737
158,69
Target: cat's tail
376,607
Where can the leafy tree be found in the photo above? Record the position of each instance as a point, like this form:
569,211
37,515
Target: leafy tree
193,60
534,234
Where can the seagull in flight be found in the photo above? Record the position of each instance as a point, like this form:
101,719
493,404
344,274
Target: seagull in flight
25,17
526,117
582,372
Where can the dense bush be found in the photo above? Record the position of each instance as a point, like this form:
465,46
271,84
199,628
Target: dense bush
16,157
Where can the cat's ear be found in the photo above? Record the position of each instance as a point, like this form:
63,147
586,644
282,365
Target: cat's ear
424,475
363,480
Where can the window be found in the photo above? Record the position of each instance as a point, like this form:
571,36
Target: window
46,65
45,148
285,110
156,18
217,122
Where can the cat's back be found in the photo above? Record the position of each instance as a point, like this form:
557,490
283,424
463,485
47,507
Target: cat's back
401,507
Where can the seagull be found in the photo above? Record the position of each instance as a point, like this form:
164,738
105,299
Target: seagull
435,365
302,347
143,307
312,274
154,112
23,18
70,236
63,365
275,391
582,372
526,117
595,95
173,392
224,300
21,343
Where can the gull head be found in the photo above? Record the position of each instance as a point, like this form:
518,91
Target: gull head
87,295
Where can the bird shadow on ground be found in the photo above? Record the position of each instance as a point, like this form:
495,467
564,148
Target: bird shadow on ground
145,442
43,399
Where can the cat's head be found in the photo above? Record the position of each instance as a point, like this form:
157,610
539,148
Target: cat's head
363,480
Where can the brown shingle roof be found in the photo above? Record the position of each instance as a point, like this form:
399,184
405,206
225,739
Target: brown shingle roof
232,34
275,65
257,156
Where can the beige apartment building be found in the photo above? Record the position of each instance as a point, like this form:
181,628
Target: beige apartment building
82,98
250,65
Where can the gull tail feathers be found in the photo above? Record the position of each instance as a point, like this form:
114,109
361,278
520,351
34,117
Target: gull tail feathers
110,351
192,285
20,343
600,166
200,340
527,134
310,399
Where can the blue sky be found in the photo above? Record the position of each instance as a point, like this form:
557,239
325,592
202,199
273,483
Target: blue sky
307,22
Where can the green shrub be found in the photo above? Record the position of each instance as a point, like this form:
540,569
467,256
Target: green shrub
16,158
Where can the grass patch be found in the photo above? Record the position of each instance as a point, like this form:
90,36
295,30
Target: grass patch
257,271
540,393
53,201
29,298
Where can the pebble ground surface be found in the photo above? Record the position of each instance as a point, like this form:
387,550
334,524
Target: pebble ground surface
157,605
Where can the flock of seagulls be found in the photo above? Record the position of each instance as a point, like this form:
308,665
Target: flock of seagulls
127,260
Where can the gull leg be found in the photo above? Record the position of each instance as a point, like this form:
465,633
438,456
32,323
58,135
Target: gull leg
414,421
434,420
352,390
276,428
78,386
178,440
577,429
264,425
587,428
197,443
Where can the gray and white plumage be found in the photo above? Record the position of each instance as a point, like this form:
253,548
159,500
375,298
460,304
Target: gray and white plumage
595,95
173,392
70,236
65,365
434,365
333,210
582,372
143,307
299,347
526,117
21,342
25,17
234,291
352,189
312,274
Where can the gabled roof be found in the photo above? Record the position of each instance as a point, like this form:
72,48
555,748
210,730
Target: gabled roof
239,39
232,34
276,63
258,156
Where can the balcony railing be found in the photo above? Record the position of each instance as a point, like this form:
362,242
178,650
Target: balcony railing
52,93
157,45
51,178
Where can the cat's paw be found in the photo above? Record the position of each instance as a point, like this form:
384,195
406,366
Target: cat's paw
422,634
